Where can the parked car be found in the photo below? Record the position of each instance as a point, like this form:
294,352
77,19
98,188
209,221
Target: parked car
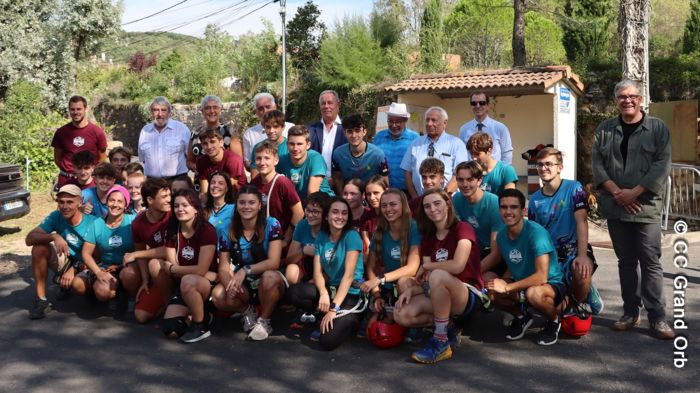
14,198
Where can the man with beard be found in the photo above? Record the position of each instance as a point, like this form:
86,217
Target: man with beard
163,143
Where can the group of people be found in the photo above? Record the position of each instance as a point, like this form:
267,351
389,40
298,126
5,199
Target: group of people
408,230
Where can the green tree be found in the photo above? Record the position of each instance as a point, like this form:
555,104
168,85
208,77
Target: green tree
691,35
588,30
481,32
87,23
304,34
543,43
257,61
350,56
388,22
666,26
432,37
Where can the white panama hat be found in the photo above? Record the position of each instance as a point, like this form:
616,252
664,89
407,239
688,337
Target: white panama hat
398,110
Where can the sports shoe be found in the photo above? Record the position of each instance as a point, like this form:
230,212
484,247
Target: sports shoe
518,327
414,335
434,352
250,317
595,300
261,330
662,330
196,332
40,309
302,319
549,333
626,322
454,336
315,335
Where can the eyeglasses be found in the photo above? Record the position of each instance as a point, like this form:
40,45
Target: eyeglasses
210,108
547,165
631,97
480,103
431,150
312,212
396,121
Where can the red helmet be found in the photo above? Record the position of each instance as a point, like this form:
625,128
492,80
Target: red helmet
576,322
385,335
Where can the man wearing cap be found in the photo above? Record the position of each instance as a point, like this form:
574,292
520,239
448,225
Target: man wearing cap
394,141
57,244
78,135
163,143
502,144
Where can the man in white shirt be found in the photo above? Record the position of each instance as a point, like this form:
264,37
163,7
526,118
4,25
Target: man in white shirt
262,103
163,143
502,144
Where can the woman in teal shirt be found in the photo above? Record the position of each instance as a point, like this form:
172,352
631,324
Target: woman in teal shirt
339,258
111,236
220,204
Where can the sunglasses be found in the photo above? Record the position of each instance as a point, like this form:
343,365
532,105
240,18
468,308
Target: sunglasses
480,103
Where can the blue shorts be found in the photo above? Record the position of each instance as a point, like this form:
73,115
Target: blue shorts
469,310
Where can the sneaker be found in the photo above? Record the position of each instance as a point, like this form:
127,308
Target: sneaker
414,335
315,335
595,301
196,332
362,329
662,330
626,322
302,319
261,330
250,318
549,333
41,308
518,327
454,336
434,352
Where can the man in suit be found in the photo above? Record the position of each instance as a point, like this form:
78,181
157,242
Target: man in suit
327,133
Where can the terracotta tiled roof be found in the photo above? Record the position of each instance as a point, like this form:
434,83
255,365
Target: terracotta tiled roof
521,80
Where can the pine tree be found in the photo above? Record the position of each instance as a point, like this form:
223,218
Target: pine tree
691,35
432,37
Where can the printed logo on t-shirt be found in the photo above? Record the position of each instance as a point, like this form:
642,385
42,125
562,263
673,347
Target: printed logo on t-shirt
188,253
538,203
295,178
115,241
396,252
473,221
441,255
515,256
78,141
329,254
157,237
72,239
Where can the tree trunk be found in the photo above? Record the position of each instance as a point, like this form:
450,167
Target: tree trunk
634,33
519,58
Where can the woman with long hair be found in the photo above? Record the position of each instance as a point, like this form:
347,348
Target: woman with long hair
374,189
250,258
394,254
448,283
191,263
337,264
220,204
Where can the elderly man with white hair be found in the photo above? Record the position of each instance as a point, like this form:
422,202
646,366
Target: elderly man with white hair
163,143
394,141
435,143
262,103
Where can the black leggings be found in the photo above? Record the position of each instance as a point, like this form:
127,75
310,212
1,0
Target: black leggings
306,296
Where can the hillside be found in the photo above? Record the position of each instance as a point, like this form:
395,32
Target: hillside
128,43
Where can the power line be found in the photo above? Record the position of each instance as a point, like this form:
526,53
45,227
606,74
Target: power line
154,14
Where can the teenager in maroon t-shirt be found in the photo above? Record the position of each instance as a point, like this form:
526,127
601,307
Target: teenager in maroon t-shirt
218,159
75,136
280,199
145,280
83,167
373,194
450,262
190,259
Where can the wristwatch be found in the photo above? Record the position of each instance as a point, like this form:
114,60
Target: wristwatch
382,280
248,270
335,307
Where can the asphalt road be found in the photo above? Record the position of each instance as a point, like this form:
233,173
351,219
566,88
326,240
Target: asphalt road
79,348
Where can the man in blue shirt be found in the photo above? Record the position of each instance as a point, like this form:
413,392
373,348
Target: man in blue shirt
533,275
502,144
56,244
394,141
561,207
435,143
357,159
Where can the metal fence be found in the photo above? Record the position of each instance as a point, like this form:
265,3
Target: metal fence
682,193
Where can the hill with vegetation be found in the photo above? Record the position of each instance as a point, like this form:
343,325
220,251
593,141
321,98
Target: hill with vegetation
124,45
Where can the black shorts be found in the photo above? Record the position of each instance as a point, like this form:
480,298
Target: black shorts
560,292
176,297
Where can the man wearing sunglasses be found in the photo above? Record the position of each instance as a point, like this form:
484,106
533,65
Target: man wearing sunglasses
631,161
502,144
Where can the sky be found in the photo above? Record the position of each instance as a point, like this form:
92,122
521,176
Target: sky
229,14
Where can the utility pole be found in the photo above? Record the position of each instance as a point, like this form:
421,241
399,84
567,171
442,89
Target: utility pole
283,13
634,31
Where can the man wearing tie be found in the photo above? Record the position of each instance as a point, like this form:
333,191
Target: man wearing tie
502,144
